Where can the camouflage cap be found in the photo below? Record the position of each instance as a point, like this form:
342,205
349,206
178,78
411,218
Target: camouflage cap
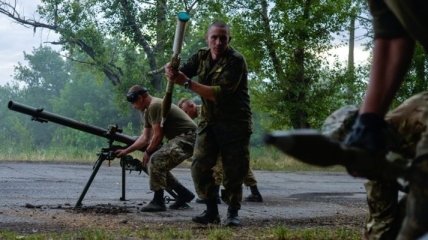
339,123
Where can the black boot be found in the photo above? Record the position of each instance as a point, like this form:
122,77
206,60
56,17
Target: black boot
184,196
210,215
232,219
255,195
157,204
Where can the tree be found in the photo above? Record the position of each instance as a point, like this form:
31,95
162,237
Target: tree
284,42
37,84
92,27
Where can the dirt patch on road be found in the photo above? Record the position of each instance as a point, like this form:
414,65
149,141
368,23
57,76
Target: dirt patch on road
38,219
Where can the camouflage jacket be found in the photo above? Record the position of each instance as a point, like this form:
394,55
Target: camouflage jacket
228,76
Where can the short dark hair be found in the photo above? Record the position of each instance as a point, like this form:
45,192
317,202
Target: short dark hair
220,24
134,92
182,101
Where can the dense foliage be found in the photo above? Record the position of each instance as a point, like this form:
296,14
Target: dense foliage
109,45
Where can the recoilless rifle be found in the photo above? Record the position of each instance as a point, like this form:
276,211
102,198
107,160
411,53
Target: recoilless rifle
112,134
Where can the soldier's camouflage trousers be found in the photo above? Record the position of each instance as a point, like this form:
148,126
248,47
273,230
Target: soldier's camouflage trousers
385,211
409,120
249,179
171,154
233,147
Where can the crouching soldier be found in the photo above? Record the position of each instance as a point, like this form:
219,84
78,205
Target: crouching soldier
180,132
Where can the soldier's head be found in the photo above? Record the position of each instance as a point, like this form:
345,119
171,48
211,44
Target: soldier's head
218,38
339,123
189,107
139,97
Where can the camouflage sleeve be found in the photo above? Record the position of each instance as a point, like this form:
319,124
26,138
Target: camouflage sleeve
190,68
230,78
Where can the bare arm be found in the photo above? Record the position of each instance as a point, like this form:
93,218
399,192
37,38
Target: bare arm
155,142
391,60
141,142
156,139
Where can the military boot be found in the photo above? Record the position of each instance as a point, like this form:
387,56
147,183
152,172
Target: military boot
255,195
415,223
232,219
157,204
209,216
184,196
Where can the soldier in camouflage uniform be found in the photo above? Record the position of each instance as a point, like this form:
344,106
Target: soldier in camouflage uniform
406,125
225,126
180,131
398,24
194,111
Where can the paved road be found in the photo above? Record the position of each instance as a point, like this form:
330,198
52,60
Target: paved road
291,195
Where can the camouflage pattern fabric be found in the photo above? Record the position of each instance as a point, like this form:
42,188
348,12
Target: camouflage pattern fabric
233,147
408,122
385,212
225,126
171,154
415,223
249,179
228,77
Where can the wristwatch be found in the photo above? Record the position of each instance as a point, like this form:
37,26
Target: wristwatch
188,84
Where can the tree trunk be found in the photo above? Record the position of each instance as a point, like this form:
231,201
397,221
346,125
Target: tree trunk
420,61
298,113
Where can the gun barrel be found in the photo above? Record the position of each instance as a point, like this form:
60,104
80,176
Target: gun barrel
43,116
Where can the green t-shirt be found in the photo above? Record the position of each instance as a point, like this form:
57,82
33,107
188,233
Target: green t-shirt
176,123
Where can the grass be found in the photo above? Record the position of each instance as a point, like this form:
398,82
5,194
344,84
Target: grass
262,158
210,233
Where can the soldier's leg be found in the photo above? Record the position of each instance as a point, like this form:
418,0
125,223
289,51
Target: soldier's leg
204,159
235,156
415,222
385,216
250,181
165,159
218,171
218,178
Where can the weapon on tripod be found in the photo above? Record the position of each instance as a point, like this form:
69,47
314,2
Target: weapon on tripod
112,134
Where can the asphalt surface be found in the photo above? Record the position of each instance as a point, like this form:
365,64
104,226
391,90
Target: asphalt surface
287,195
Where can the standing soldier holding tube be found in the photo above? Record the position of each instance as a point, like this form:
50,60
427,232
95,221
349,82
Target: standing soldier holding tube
194,112
226,116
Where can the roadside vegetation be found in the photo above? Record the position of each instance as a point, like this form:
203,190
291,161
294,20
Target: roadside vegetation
213,233
262,158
